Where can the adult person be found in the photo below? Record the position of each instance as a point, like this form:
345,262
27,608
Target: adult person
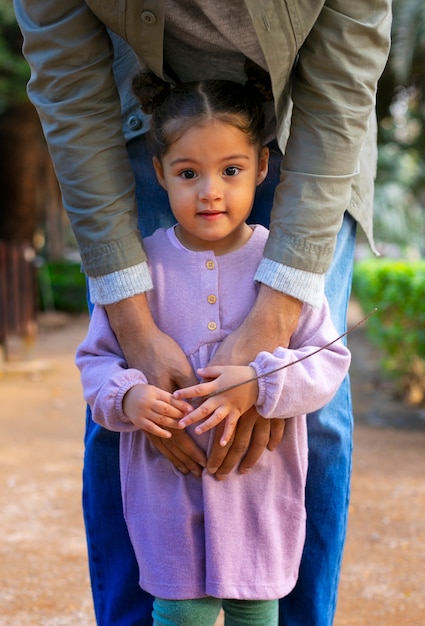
323,57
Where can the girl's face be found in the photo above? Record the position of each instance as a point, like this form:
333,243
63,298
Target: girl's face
210,174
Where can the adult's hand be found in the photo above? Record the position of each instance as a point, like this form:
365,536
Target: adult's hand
270,324
165,365
146,347
253,435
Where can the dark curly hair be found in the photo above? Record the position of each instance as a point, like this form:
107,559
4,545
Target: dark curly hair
175,109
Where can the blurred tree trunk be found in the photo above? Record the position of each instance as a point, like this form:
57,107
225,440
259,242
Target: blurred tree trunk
24,173
28,189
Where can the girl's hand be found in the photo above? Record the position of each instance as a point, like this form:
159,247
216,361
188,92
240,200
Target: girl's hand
153,410
222,405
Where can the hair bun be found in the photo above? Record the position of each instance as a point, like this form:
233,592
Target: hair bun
258,80
151,90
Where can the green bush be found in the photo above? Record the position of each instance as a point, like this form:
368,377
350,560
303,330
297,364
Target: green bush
62,286
397,289
14,70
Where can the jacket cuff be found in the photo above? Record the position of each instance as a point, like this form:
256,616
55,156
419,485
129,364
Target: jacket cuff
305,286
120,285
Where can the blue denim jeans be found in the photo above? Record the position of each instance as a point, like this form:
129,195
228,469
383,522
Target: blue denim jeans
313,601
118,599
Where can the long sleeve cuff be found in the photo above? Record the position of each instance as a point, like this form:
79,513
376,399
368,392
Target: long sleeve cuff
308,287
120,285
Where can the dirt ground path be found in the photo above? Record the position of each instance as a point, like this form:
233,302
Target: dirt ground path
43,566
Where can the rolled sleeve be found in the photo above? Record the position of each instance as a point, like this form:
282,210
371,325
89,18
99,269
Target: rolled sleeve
73,88
333,94
305,286
119,285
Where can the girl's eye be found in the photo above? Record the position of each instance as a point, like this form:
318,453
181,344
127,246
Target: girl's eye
188,174
232,170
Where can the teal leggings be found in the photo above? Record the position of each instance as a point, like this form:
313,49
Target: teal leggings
204,612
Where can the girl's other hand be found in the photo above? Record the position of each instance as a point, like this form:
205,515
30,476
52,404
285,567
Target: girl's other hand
229,393
154,410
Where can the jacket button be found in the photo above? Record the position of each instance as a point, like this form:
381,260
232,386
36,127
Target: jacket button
212,299
212,326
134,122
148,17
210,265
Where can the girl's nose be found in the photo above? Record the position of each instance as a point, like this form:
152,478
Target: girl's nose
210,189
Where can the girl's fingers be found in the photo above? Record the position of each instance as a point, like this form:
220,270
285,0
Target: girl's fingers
180,405
196,391
175,410
216,418
230,420
198,414
161,416
150,427
201,389
229,427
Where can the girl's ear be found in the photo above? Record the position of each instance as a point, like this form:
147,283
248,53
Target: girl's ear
159,171
263,165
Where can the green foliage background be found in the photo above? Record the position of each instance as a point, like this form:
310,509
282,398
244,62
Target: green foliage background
397,289
14,71
400,185
62,286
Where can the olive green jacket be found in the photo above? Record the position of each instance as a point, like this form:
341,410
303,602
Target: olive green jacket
324,59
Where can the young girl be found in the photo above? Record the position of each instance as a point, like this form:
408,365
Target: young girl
203,544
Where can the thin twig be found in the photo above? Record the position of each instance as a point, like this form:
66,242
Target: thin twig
282,367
